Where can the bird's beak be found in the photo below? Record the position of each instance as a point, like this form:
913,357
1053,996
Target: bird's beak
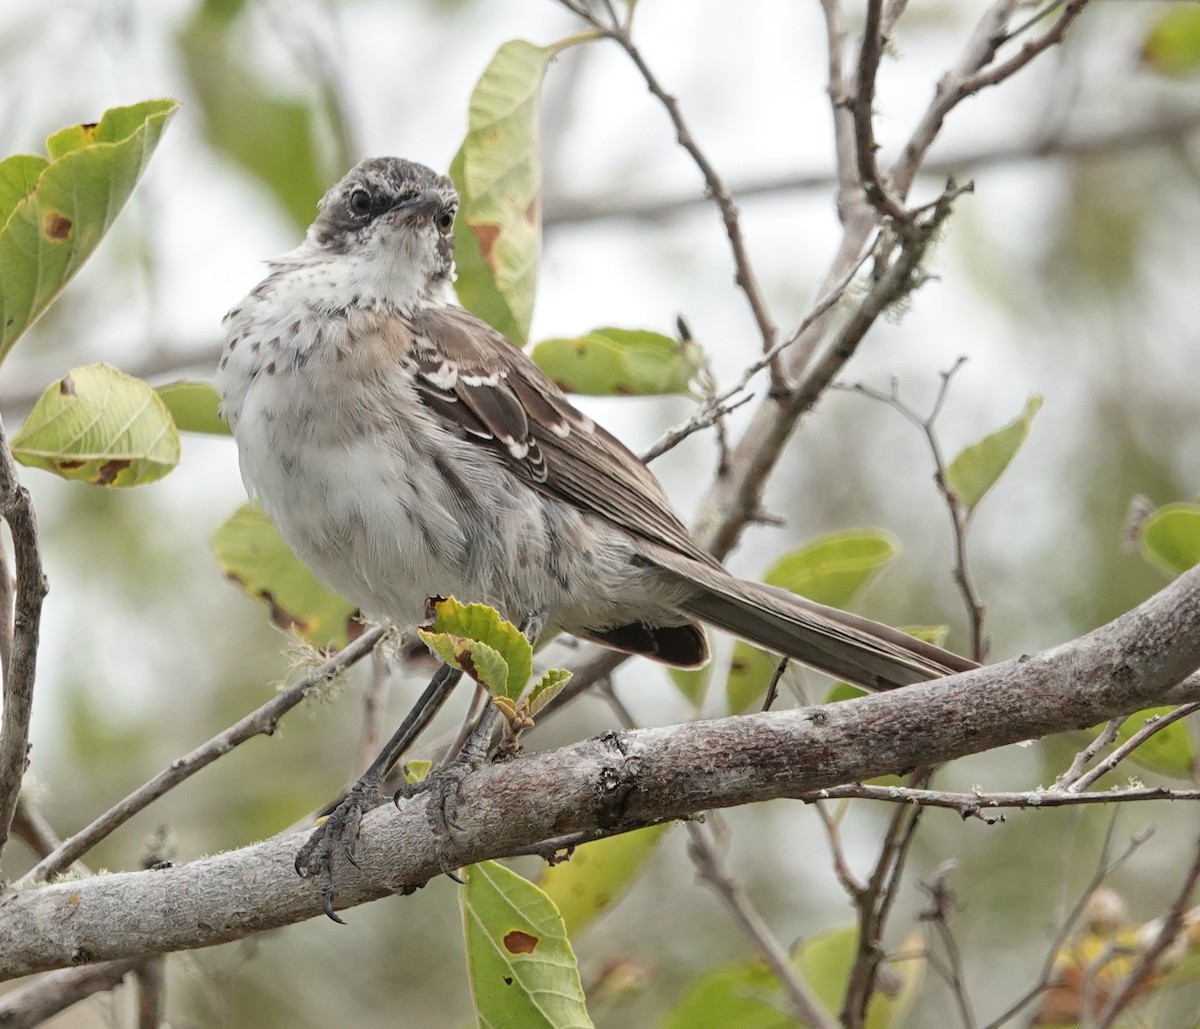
428,202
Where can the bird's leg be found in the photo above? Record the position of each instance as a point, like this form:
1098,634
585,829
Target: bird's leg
443,784
339,832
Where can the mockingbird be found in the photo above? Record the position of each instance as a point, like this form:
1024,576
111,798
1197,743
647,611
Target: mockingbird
406,450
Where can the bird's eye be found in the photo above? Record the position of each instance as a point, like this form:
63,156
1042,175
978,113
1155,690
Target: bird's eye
360,202
444,219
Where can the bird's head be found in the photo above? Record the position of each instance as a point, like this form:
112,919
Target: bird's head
391,221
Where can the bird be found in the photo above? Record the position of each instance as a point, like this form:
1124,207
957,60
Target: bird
407,450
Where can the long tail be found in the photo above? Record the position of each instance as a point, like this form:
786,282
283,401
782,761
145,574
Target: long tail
863,652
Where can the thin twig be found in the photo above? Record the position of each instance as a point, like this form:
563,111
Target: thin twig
874,904
943,904
706,855
721,403
862,107
1172,926
1108,734
973,805
960,515
841,867
1104,870
714,184
1152,726
17,510
261,721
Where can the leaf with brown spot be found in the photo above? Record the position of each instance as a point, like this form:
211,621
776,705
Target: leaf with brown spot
71,199
253,556
518,942
521,966
101,426
497,170
56,226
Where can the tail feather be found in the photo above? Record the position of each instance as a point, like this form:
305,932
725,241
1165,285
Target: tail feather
866,653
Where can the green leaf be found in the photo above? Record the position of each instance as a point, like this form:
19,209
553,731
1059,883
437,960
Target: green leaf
55,213
834,569
497,233
275,138
825,961
620,361
417,770
740,996
597,874
549,686
482,663
979,466
251,553
195,406
692,683
484,624
1172,46
1170,538
750,672
520,962
1170,751
99,425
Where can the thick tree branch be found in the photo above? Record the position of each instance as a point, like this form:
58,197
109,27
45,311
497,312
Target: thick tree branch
617,782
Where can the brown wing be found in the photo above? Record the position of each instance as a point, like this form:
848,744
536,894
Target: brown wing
472,376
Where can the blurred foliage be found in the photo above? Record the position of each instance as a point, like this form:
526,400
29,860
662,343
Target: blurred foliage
1172,46
294,146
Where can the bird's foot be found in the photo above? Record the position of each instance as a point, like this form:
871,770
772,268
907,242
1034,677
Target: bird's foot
337,836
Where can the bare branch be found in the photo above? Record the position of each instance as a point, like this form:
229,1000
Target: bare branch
714,185
618,782
1152,726
17,510
1081,760
1172,926
973,805
36,1002
261,721
1105,869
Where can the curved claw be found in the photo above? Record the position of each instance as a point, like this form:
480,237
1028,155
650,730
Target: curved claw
339,832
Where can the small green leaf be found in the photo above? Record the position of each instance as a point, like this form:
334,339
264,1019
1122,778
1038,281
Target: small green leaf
277,139
417,770
1172,46
497,170
832,569
521,966
979,466
251,553
55,213
750,673
740,996
620,361
483,623
482,663
835,568
1170,751
692,683
597,874
99,425
825,961
1170,538
195,406
549,686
